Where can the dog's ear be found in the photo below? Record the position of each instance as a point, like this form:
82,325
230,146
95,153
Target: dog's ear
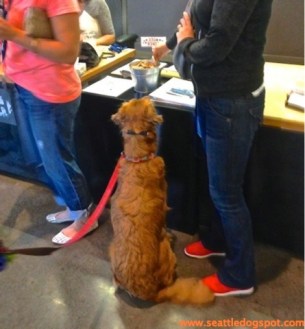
153,117
119,117
158,119
116,118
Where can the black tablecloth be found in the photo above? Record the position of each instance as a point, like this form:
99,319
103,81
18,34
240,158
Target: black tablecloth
274,183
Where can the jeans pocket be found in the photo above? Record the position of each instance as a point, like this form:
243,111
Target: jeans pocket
257,109
219,116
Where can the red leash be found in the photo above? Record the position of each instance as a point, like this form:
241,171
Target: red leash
99,208
41,251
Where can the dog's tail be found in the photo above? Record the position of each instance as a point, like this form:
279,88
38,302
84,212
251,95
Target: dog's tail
186,291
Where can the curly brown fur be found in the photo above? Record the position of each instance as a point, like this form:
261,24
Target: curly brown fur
142,260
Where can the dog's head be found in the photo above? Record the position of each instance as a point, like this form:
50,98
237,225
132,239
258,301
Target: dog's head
137,115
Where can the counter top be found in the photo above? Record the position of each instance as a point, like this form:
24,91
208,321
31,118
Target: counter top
280,79
108,63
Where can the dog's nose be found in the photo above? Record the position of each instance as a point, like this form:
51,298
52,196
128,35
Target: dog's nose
137,132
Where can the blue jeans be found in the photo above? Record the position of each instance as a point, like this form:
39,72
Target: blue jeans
227,127
48,138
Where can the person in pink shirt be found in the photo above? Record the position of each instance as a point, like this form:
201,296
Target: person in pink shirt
49,92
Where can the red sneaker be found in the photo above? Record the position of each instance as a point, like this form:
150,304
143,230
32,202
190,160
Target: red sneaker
222,290
198,250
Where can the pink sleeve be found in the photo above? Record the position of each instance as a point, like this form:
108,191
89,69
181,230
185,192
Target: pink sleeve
60,7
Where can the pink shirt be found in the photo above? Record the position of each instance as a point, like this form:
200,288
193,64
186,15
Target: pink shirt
47,80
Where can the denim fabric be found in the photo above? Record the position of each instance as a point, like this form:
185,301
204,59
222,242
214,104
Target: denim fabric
227,127
51,132
25,136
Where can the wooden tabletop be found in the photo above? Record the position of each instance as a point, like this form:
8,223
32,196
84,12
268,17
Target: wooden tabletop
108,63
280,79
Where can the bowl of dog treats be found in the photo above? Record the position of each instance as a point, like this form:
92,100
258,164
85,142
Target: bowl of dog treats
145,74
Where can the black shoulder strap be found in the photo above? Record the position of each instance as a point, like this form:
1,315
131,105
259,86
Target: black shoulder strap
3,13
3,8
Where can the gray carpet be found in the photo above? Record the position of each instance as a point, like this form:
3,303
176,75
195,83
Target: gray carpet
72,288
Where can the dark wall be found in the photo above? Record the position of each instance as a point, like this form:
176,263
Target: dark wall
154,17
116,8
285,37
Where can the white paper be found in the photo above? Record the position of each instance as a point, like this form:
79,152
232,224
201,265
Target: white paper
151,41
110,86
165,93
296,100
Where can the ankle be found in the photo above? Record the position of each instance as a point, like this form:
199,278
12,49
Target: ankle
77,214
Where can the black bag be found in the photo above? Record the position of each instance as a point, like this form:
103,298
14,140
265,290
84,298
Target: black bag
88,55
181,65
8,96
8,92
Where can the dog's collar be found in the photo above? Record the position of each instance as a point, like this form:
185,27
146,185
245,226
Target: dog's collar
141,133
138,159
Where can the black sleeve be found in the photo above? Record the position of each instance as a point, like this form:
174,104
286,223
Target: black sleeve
172,42
228,21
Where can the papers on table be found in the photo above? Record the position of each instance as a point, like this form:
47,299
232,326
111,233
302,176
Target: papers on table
175,91
110,86
296,100
170,72
124,71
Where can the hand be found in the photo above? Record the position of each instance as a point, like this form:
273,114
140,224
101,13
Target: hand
7,31
159,51
185,28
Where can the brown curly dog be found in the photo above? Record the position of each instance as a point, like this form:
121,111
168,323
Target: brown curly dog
142,260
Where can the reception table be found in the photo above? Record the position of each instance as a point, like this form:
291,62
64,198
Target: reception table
274,180
280,79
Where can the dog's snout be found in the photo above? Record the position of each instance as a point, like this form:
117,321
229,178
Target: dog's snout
137,132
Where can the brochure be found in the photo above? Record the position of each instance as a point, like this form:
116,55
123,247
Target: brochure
110,86
296,100
175,91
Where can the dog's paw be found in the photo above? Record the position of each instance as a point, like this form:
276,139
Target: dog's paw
171,236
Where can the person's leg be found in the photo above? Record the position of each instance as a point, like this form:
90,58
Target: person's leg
228,134
212,237
53,130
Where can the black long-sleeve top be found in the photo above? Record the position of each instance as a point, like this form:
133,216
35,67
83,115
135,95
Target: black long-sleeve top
227,51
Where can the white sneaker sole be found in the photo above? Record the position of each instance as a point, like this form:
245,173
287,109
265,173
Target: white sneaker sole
217,254
242,292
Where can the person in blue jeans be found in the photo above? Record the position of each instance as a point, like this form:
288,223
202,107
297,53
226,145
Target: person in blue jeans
49,91
223,41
